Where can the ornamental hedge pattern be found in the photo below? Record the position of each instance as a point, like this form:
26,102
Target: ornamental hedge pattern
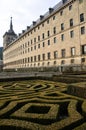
40,105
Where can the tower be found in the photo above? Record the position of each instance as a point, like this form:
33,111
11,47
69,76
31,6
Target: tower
9,36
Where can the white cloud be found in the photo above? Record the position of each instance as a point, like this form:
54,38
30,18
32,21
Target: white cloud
23,13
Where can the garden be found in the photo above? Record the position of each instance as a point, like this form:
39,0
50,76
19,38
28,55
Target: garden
40,105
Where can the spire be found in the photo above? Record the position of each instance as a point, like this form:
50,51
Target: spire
11,31
11,25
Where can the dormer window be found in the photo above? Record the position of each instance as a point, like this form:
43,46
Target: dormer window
34,23
41,17
51,10
64,1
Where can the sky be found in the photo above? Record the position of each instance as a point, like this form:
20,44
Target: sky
23,12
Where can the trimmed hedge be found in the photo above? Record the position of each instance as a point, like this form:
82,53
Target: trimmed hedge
39,105
81,127
38,116
84,108
77,89
8,108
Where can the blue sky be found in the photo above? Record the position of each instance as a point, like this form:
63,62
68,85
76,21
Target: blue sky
23,13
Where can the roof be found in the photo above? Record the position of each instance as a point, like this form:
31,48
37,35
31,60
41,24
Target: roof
42,18
45,16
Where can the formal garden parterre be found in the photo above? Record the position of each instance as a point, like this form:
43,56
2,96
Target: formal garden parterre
40,105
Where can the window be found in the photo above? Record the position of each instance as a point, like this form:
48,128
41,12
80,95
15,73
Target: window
73,51
43,25
31,41
80,1
72,34
82,60
48,55
48,21
62,62
43,44
48,33
54,17
48,63
30,65
28,43
34,47
71,22
63,53
38,64
81,17
55,54
31,48
54,62
25,60
43,56
62,37
48,42
43,36
83,49
28,49
28,59
34,65
54,30
82,30
72,61
34,29
38,45
70,7
39,57
38,38
61,12
54,39
38,27
25,51
31,59
62,26
25,44
43,64
34,40
35,58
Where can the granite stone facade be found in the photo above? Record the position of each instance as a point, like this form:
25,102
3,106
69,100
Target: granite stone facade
56,39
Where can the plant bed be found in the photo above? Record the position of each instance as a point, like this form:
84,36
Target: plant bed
40,105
